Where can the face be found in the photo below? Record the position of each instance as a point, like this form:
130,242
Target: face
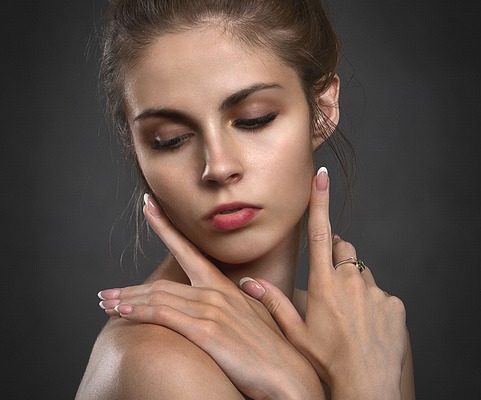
215,123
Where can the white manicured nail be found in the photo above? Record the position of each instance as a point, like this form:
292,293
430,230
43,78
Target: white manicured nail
322,169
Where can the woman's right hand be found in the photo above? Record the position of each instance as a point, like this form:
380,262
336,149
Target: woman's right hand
353,333
213,313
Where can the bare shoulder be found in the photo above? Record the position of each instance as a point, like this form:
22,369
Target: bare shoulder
131,361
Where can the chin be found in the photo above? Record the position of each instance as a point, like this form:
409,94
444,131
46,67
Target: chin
241,249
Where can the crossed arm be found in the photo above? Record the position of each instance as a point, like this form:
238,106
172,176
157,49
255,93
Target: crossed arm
351,344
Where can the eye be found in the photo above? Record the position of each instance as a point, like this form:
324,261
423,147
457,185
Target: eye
255,123
170,144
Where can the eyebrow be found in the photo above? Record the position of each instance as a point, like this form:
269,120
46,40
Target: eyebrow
228,102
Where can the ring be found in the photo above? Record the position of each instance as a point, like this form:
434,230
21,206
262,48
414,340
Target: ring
352,260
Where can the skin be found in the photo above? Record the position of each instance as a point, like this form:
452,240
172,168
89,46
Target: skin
192,303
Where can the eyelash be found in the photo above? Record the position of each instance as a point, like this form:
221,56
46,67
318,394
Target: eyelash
252,125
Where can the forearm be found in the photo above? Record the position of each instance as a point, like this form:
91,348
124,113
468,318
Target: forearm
303,385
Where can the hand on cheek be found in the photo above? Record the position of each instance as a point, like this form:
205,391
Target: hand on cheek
234,329
354,333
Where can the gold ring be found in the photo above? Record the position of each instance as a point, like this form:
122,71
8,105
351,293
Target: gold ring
352,260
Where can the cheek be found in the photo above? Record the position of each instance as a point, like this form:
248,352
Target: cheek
289,169
170,184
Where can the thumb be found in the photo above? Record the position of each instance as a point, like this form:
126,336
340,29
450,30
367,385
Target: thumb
277,303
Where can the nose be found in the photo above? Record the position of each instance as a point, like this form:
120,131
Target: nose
222,163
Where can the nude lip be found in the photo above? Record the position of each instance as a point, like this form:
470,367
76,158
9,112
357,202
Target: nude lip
235,220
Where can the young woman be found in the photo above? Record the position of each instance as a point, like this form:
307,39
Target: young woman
223,104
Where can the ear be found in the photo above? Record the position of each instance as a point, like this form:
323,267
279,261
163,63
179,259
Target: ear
328,103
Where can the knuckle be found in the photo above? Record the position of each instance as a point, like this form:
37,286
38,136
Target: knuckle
320,235
161,313
215,297
273,305
209,329
345,247
354,283
158,284
210,312
154,297
397,305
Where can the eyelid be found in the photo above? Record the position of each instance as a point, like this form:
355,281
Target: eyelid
172,143
261,120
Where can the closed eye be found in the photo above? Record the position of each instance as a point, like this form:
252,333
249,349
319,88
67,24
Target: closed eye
170,144
255,123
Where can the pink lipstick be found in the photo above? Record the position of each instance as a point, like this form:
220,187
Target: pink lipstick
227,217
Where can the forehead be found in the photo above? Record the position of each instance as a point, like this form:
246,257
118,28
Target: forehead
179,68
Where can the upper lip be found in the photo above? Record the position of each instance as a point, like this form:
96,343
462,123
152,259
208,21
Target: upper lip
229,206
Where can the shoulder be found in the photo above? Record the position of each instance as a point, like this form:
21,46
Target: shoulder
151,362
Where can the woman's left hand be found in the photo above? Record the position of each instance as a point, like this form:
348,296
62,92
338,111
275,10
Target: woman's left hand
353,333
236,330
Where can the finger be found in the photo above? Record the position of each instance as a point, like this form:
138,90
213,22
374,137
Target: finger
368,277
162,315
137,290
277,303
319,230
159,299
344,251
200,271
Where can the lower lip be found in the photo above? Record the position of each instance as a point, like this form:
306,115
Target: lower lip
236,220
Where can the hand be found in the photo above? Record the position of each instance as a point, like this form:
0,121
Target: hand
234,329
354,333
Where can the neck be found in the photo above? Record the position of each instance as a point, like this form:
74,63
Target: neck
279,266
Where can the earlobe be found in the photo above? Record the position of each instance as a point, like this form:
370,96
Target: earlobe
327,112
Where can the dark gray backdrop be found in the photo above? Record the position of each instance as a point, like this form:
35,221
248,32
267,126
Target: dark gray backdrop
411,106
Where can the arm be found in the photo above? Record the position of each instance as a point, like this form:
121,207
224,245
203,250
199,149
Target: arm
170,367
407,375
214,314
353,333
141,361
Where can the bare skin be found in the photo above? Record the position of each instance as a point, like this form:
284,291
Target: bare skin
200,335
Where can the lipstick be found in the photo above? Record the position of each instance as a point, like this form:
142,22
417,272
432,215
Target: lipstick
227,217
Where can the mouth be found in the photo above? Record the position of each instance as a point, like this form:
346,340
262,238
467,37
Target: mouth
232,216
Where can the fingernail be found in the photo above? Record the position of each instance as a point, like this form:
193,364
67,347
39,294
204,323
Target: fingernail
322,179
151,205
123,309
108,294
108,304
252,287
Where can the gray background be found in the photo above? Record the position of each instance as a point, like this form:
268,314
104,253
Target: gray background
411,106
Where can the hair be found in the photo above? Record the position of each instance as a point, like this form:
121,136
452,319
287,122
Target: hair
297,31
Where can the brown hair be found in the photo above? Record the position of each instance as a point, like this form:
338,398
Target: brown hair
297,31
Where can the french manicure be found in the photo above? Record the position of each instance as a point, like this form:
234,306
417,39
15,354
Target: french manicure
252,287
108,294
108,304
151,206
322,179
123,309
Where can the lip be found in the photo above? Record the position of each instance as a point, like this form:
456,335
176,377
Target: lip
229,206
225,222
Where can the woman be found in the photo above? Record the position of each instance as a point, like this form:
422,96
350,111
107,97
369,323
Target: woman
223,104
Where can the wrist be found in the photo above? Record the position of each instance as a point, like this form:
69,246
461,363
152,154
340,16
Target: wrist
301,384
365,382
368,389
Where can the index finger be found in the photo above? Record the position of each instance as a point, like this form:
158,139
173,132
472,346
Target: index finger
200,271
319,230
